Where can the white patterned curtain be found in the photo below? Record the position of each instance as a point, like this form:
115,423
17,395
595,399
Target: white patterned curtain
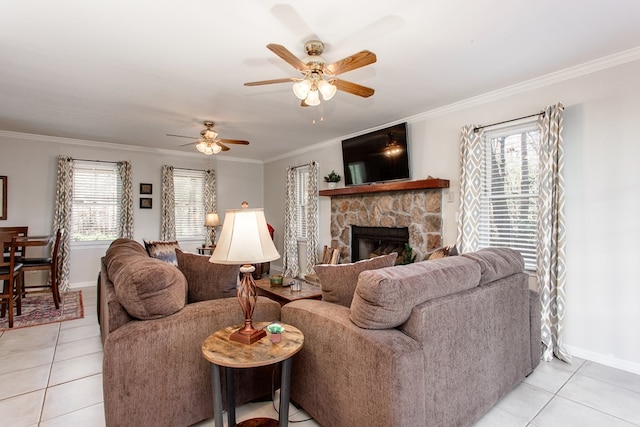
62,217
168,205
551,256
312,218
471,179
209,197
290,258
125,226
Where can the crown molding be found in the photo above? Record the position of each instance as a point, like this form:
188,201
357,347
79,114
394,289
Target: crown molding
113,146
590,67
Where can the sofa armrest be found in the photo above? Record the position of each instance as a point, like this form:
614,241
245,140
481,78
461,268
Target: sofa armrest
359,376
154,372
112,314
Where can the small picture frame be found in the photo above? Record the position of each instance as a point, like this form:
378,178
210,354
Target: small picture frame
146,188
146,203
3,197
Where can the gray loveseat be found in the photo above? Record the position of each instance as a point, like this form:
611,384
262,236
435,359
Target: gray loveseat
153,370
435,343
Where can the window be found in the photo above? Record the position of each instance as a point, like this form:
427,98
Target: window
95,210
510,190
189,201
301,202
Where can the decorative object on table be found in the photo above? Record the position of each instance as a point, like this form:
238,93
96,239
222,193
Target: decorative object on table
245,240
332,179
276,280
146,188
212,221
146,202
296,286
39,309
3,197
276,330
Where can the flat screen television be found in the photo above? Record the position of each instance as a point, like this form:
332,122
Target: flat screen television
378,156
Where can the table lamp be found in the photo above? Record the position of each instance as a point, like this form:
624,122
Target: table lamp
245,240
212,220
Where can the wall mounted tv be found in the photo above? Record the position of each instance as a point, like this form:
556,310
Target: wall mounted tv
377,156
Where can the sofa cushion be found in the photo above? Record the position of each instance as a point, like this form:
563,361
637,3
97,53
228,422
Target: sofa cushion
338,281
385,297
207,280
496,263
163,250
146,287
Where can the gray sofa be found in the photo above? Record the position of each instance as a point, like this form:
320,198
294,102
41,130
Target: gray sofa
435,343
153,370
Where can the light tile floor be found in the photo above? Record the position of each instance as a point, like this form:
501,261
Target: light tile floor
51,375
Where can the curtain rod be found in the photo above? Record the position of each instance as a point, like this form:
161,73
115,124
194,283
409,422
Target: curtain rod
96,161
301,166
476,129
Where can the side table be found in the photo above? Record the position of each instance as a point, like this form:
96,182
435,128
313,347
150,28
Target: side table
206,250
221,352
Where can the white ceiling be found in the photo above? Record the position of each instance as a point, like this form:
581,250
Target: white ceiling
131,71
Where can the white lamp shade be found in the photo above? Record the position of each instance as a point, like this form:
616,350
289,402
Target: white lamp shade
212,220
313,98
215,148
301,89
326,89
245,239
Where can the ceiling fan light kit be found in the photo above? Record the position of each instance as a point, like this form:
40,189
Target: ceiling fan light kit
209,143
318,77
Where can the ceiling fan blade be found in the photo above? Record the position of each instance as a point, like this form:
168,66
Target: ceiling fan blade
224,147
352,62
269,82
233,141
287,56
353,88
304,104
189,143
181,136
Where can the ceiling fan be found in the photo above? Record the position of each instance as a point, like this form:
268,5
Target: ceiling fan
318,77
209,143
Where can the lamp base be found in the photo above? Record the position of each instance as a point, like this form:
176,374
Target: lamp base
244,338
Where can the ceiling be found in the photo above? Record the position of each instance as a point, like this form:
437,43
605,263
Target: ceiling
129,72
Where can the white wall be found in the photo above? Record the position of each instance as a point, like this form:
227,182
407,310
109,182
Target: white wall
602,186
30,162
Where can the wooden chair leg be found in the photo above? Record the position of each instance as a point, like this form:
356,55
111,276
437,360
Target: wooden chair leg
54,291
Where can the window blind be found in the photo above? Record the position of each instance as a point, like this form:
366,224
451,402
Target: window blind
95,208
189,203
509,210
301,201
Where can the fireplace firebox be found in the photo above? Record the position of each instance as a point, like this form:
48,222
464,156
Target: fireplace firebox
367,242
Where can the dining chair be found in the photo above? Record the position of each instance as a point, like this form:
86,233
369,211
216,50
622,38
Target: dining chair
22,231
9,276
44,264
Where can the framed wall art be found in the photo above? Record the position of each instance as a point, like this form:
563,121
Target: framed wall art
146,188
3,197
146,202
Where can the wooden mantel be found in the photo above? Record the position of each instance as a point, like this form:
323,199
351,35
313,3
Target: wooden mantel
423,184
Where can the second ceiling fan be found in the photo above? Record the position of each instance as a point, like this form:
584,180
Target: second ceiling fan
318,77
209,143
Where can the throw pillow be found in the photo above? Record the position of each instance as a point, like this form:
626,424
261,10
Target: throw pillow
338,281
205,279
147,288
443,252
163,250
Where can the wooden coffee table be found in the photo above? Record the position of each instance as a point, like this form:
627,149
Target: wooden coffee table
284,294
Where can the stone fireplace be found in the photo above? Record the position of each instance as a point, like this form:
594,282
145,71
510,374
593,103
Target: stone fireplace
367,242
418,210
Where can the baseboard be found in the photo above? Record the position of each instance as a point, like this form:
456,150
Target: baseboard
79,285
604,359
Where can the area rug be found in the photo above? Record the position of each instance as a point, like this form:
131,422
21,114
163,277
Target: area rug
39,309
